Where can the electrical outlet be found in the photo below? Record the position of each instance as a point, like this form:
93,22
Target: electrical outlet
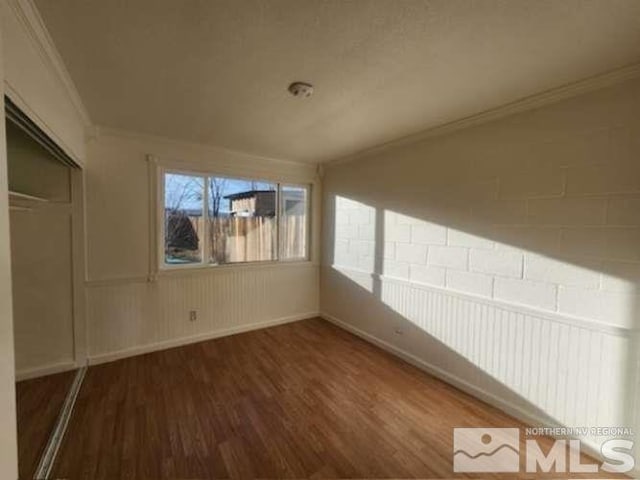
193,315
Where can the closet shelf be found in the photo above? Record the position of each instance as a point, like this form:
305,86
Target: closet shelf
23,201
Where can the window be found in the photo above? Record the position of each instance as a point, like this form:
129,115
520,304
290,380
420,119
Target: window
243,224
219,220
183,215
293,222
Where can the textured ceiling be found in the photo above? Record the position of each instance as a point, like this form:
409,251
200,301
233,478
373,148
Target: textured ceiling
216,71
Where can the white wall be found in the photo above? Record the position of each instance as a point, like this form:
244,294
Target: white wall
127,313
8,440
37,81
504,257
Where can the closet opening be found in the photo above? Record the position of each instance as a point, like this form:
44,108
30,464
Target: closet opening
47,262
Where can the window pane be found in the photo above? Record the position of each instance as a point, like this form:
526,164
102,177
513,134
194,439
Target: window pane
183,218
242,223
293,222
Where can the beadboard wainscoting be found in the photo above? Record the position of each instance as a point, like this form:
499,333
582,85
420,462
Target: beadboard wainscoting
516,358
132,316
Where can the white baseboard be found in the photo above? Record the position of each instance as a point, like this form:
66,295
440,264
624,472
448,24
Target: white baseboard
178,342
29,373
525,416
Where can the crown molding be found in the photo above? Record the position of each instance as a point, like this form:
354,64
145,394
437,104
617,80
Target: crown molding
524,104
29,17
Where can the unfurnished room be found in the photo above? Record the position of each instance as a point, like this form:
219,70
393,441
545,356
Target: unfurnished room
370,239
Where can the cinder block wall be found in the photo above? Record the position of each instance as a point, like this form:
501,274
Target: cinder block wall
533,219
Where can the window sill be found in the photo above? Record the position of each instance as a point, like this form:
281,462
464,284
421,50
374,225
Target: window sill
188,269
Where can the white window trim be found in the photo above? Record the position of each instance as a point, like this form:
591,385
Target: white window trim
160,266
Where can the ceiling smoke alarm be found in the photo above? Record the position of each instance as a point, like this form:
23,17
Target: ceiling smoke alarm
301,89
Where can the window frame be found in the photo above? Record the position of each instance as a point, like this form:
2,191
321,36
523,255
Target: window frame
205,263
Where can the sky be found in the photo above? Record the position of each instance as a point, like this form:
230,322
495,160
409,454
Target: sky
186,191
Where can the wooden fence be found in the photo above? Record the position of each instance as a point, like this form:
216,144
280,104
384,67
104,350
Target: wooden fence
253,239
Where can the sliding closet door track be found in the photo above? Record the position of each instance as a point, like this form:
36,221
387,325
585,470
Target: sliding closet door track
57,435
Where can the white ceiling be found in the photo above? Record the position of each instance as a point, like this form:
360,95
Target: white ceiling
216,71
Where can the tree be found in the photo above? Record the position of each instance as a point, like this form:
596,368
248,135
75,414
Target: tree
180,234
181,192
217,187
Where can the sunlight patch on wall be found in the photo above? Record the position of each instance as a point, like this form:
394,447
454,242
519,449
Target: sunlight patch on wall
537,356
354,246
502,307
406,241
424,252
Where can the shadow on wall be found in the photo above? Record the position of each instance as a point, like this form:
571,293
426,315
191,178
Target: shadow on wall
502,309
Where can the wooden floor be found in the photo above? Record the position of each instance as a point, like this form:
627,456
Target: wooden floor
300,400
38,403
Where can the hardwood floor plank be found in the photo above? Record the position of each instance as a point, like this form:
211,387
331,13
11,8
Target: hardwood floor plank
38,404
305,399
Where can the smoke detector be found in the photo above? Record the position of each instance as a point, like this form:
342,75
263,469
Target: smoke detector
301,89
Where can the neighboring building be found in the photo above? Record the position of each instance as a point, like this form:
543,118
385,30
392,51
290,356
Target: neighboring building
252,203
262,203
